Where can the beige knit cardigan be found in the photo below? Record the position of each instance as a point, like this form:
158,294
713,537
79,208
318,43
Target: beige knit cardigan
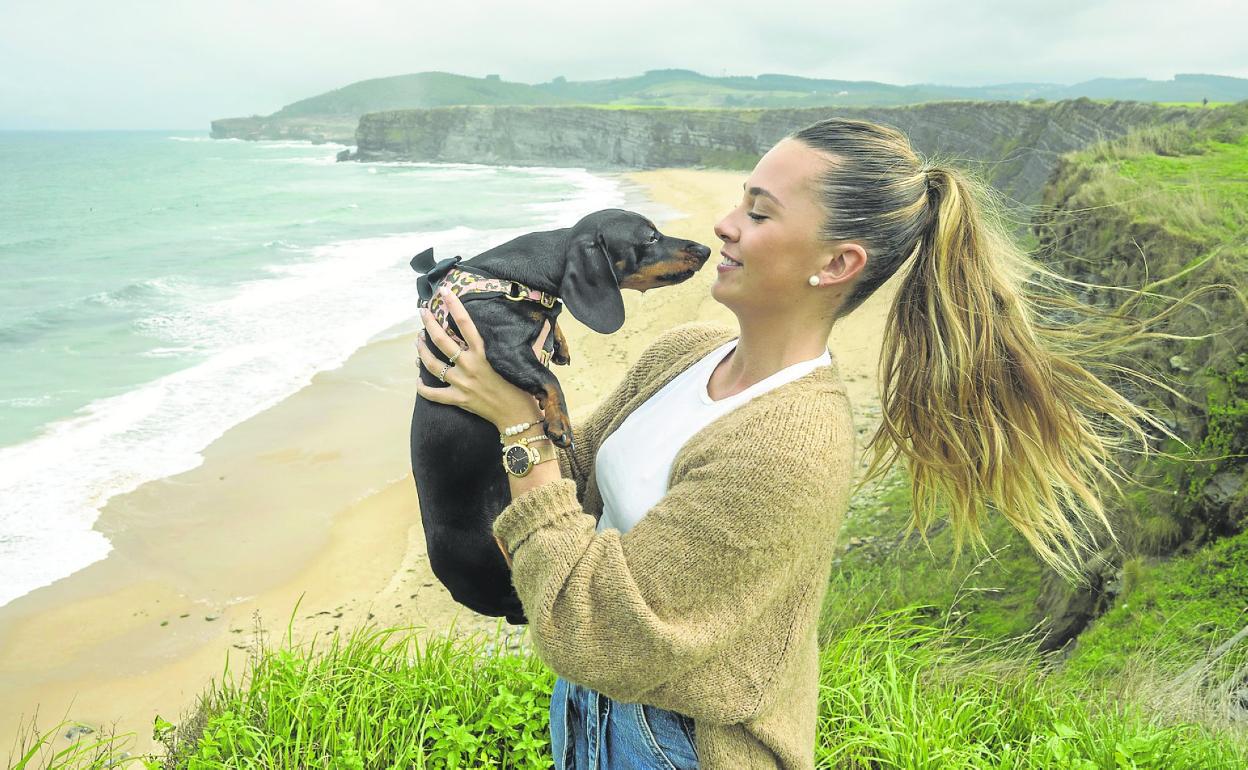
709,605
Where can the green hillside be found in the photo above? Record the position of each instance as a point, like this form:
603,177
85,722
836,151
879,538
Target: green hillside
323,115
687,88
423,89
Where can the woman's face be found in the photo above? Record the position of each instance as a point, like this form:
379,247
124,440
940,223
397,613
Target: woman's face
773,232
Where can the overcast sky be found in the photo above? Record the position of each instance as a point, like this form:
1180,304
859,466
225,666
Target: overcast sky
179,64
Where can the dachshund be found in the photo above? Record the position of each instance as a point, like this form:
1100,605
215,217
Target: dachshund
509,291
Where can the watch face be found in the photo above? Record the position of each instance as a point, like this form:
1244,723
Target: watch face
516,459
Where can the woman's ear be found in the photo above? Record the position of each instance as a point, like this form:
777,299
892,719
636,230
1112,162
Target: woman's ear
590,289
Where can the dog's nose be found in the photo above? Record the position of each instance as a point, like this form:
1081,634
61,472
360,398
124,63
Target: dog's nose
699,251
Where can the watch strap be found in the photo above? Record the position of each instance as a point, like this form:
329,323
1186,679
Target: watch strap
546,451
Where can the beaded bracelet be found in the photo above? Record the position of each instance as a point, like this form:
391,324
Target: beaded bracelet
514,429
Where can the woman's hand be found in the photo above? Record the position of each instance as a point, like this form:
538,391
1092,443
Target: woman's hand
472,383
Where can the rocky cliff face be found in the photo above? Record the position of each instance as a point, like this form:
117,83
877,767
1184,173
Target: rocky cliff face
313,128
1015,145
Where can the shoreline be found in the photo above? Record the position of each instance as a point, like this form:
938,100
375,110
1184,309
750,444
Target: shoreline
311,504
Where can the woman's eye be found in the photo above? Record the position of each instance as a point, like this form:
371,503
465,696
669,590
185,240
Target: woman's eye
756,217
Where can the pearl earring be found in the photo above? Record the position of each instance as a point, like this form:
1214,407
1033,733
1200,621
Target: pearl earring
814,280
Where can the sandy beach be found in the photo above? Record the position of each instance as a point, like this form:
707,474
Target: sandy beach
311,504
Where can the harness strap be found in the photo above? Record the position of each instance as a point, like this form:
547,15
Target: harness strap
462,283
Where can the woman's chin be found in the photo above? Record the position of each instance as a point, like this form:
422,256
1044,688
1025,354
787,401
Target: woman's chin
723,294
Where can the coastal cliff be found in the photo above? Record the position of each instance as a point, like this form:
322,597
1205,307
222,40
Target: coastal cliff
312,128
1015,145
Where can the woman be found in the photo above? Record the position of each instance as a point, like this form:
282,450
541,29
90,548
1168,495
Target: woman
682,620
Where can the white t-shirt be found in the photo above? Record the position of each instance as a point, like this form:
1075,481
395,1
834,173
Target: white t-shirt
634,462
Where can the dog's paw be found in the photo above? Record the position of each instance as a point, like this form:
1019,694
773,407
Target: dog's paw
559,433
560,358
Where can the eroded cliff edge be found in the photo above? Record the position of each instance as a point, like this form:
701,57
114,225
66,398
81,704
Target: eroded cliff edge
1015,145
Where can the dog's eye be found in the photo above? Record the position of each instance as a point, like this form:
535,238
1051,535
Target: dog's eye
654,237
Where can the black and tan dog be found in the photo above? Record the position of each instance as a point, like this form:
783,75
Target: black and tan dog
509,291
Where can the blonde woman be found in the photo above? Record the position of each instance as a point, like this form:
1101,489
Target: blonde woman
673,565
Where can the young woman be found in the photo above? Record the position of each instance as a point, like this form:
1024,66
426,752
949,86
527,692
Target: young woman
675,584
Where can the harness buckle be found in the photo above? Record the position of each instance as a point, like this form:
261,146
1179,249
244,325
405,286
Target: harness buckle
523,295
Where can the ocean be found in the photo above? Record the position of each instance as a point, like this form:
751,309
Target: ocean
160,287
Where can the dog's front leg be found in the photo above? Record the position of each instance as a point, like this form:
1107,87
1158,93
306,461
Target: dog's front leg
562,354
519,365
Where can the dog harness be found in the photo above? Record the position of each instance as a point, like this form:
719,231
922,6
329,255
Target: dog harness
462,283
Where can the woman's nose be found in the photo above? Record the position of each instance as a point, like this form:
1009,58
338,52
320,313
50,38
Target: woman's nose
724,230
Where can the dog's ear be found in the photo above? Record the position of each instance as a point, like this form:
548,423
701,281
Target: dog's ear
423,262
432,272
589,289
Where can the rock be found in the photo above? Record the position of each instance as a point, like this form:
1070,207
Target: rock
1070,609
1223,488
343,155
512,642
1178,363
77,730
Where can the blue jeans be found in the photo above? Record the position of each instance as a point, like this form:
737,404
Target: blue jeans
589,731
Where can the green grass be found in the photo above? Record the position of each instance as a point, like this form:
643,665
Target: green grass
1187,182
1210,105
1170,615
1210,182
898,691
90,751
996,597
379,699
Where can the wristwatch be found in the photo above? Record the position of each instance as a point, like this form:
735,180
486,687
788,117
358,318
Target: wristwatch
519,457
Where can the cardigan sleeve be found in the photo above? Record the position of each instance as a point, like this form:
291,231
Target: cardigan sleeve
740,526
571,461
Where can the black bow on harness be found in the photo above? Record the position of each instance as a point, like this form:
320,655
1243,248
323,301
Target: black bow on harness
433,272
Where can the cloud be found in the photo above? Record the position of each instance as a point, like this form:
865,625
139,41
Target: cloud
179,64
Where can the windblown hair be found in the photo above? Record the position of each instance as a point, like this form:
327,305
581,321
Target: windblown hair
982,391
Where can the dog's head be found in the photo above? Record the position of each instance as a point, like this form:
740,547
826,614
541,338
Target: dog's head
614,249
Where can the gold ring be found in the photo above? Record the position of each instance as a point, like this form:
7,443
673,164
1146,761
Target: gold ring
445,369
544,357
455,356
